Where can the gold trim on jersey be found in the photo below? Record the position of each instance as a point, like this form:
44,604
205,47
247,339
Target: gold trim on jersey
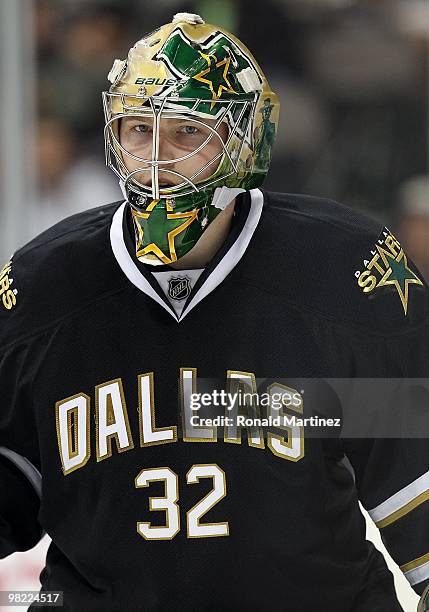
71,427
224,524
170,502
74,453
288,445
237,381
411,505
111,420
154,429
415,563
185,431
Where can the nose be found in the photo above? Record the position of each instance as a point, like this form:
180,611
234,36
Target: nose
165,149
166,152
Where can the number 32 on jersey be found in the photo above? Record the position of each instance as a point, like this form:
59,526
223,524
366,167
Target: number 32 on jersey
169,503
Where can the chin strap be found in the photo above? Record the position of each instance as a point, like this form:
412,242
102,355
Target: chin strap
224,196
136,200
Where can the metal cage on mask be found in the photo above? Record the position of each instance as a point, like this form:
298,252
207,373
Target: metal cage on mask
237,115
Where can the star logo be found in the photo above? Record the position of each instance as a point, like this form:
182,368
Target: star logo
387,266
398,274
215,76
177,221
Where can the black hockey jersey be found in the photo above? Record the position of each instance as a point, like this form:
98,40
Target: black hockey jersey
148,511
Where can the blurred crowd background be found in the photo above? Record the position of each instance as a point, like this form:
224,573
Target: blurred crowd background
352,76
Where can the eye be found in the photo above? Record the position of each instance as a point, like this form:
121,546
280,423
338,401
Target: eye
189,129
142,128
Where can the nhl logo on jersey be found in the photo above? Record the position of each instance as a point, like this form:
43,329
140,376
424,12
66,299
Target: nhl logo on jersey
424,601
387,267
179,287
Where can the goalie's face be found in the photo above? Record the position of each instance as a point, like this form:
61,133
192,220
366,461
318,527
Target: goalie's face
185,150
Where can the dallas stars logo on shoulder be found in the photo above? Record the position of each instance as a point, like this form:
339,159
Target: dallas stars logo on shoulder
7,294
424,601
387,267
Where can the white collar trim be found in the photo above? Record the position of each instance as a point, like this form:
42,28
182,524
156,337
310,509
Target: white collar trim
217,275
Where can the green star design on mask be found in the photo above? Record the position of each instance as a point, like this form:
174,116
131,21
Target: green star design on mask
158,228
215,76
209,72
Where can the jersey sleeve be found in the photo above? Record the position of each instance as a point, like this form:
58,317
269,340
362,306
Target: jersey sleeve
20,478
392,473
19,505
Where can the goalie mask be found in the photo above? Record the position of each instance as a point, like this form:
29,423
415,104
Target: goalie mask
188,92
